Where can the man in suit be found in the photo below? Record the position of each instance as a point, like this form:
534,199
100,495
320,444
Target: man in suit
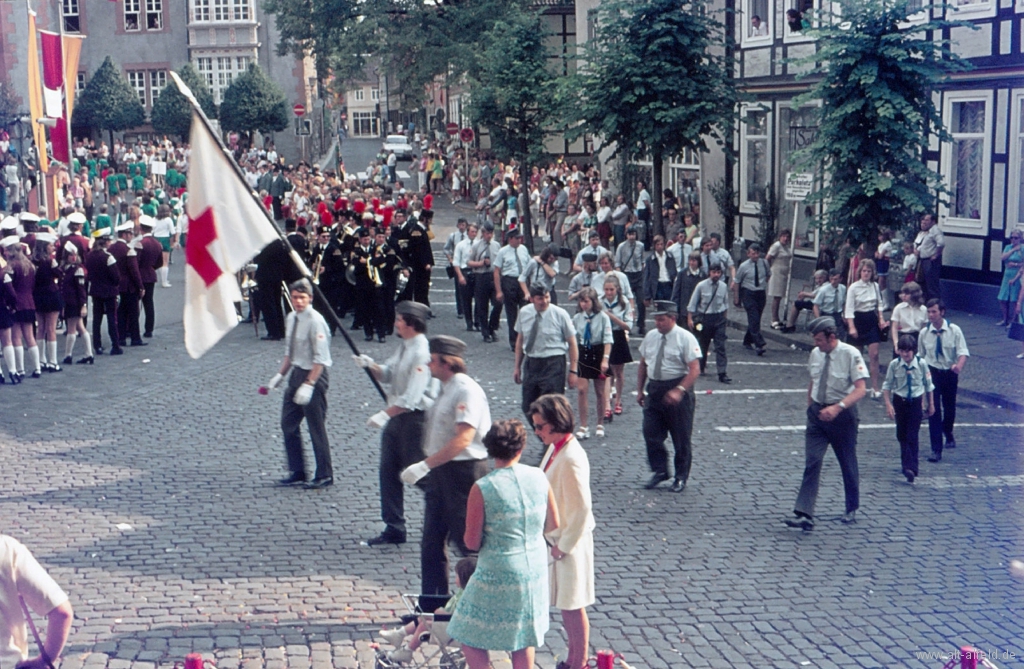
130,290
104,284
151,258
659,273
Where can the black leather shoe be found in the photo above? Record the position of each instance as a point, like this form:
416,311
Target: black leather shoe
748,346
724,378
140,343
369,338
950,442
86,361
117,351
762,350
678,485
935,457
849,518
470,328
800,522
323,482
655,480
99,351
269,338
149,335
910,475
294,479
68,360
386,538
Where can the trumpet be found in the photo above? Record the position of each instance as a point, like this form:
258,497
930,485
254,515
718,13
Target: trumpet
373,272
318,267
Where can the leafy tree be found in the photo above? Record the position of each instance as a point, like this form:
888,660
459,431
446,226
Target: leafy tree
172,113
512,88
8,105
329,30
254,102
108,103
877,73
653,81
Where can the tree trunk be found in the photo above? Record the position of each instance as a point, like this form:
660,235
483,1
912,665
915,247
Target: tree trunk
656,188
524,188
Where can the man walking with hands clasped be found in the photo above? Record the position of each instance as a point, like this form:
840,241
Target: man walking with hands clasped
837,383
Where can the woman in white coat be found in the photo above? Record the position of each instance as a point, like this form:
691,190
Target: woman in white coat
572,544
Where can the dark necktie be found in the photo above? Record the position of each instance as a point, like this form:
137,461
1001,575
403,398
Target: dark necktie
519,263
939,353
534,331
659,358
910,382
586,332
835,301
823,380
757,274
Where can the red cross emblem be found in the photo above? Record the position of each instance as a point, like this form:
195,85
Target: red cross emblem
202,231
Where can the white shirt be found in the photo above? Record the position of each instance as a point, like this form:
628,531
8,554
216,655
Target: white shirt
620,309
908,318
830,300
596,250
846,367
953,345
681,348
862,296
512,262
908,383
21,574
556,329
662,267
928,242
597,283
164,227
460,258
681,252
600,328
407,372
312,339
462,400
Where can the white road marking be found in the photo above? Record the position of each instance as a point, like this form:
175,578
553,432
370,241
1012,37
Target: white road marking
767,364
863,426
970,481
750,391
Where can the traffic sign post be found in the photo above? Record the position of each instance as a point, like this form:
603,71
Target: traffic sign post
299,109
466,135
452,129
798,186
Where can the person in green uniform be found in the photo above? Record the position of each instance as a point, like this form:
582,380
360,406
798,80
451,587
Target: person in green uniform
113,187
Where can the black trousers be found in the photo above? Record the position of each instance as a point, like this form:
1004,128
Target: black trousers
467,293
513,294
841,433
370,310
420,284
713,330
444,519
908,423
104,306
315,412
929,277
147,308
542,376
401,444
128,318
940,423
753,302
662,420
271,309
483,293
636,284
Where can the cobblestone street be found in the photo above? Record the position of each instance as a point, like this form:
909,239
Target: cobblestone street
147,490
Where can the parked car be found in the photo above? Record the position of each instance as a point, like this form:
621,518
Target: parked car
400,145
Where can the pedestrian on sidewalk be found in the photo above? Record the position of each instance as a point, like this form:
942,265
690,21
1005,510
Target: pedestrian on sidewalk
837,373
749,290
944,349
1009,290
928,247
907,381
669,366
780,260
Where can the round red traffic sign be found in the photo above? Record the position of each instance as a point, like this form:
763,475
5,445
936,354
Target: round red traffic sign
299,109
452,129
466,134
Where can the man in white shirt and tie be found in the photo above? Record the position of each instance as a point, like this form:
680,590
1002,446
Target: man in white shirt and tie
449,251
509,264
944,349
669,366
837,383
545,335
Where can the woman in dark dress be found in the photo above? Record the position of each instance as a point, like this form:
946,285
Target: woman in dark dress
23,279
46,294
72,292
7,314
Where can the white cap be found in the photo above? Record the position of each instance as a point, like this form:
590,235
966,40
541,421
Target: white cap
9,241
9,223
127,225
147,221
28,216
46,237
101,232
77,217
70,248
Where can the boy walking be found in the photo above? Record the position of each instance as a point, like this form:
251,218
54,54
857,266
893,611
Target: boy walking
907,381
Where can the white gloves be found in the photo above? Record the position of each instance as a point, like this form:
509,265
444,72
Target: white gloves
379,419
303,394
363,361
275,381
413,473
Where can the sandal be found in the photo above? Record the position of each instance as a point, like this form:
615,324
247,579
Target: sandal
618,408
599,432
607,414
583,433
776,325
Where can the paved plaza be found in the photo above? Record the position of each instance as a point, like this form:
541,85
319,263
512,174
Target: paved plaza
145,485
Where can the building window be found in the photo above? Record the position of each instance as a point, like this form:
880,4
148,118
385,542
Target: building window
754,159
242,63
200,10
758,21
966,162
224,72
684,180
221,10
205,67
132,15
154,14
375,94
1016,218
797,130
359,95
80,83
72,19
364,124
242,12
157,83
971,9
137,80
799,17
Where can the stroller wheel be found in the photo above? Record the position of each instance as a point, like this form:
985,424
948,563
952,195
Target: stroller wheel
452,659
381,661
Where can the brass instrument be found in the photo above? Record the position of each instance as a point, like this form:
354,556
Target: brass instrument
373,272
318,266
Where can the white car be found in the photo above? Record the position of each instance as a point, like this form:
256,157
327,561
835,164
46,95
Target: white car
400,145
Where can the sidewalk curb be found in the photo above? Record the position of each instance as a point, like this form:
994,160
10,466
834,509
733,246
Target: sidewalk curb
976,395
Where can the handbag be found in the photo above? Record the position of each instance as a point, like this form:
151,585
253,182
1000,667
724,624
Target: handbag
1016,331
450,271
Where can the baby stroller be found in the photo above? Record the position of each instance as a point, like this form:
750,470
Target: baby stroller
445,653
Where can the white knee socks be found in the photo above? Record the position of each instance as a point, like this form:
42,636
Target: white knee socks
87,338
9,359
51,352
33,358
19,359
162,275
69,344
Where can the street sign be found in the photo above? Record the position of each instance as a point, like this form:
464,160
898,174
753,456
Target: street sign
299,109
303,127
799,185
452,129
466,135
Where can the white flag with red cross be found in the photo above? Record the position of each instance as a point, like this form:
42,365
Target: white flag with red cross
226,229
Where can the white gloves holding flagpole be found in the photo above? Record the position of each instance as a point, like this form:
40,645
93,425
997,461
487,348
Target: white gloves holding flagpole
413,473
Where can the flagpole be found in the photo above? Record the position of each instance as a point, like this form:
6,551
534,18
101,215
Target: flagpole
184,90
67,87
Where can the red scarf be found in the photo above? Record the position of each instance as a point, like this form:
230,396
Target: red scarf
558,447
